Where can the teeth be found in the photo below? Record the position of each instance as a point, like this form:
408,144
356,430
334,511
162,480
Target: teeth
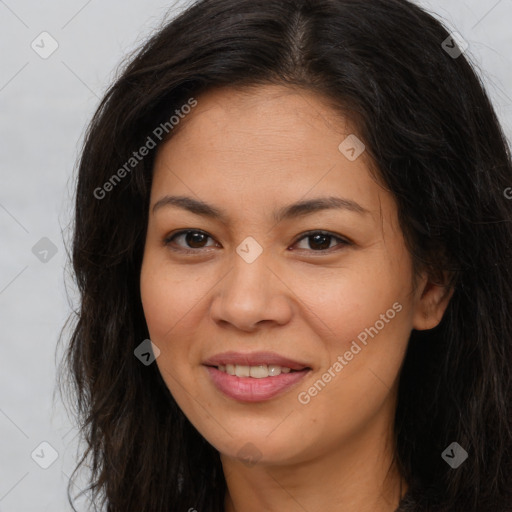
256,372
242,371
274,370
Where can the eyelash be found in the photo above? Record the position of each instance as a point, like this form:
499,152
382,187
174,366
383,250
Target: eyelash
308,234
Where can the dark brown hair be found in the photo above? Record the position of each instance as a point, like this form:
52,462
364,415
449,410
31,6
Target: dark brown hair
433,135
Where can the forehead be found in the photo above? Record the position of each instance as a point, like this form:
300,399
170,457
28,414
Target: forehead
267,144
265,113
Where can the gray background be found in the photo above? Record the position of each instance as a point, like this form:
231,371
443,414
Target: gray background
45,105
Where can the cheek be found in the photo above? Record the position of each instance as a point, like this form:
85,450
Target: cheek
168,297
339,304
365,313
165,303
173,302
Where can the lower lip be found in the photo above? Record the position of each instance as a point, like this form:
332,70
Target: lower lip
249,389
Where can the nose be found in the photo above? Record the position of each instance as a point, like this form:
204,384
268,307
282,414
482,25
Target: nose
252,294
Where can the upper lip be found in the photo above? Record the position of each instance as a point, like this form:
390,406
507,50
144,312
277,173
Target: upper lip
254,359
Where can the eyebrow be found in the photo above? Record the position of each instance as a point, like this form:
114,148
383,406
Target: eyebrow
294,210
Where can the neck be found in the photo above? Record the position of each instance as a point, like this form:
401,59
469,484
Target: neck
356,476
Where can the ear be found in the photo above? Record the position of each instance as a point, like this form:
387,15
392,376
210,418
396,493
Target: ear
431,302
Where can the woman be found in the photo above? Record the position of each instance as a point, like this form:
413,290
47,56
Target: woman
293,249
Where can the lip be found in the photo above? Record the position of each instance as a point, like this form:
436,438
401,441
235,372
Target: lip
248,389
254,359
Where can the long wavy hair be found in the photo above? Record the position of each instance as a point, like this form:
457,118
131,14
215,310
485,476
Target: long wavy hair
435,141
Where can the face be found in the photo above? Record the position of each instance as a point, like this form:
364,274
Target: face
294,276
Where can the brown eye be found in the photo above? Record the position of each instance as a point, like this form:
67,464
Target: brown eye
193,239
320,241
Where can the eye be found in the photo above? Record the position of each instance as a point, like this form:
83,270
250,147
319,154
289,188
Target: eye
194,239
320,241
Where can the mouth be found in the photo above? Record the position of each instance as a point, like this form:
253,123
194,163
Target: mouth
254,377
256,372
270,360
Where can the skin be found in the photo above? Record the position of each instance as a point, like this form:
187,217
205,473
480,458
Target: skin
249,153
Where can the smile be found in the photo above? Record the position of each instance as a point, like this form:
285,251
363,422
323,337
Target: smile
256,372
254,377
